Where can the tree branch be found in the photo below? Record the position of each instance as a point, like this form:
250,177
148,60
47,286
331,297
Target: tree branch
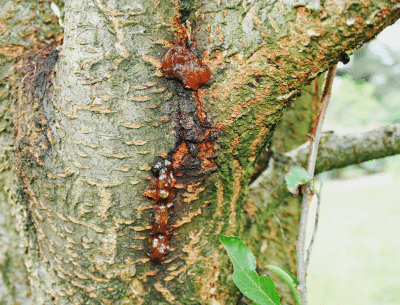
341,151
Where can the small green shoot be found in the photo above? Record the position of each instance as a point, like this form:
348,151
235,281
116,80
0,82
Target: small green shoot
260,289
288,279
296,177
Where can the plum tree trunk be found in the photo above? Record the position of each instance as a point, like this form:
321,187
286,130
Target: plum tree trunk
85,119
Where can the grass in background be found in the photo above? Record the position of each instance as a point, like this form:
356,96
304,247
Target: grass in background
356,256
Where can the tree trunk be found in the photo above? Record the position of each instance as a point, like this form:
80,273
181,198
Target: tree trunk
94,115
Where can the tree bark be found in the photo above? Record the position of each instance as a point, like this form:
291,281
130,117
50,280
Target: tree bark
93,114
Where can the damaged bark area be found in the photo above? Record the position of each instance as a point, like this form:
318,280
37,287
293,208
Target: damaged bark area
182,63
192,157
33,120
162,192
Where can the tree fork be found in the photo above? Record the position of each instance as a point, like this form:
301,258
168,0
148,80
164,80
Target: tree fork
112,112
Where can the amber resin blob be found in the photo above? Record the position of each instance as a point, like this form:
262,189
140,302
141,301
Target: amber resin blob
182,63
162,192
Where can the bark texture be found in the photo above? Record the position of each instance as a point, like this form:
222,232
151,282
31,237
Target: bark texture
25,27
94,113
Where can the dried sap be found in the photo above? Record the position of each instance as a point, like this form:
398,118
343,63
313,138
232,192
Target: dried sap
182,63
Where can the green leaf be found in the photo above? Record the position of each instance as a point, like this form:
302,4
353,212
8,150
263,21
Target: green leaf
259,289
288,279
296,176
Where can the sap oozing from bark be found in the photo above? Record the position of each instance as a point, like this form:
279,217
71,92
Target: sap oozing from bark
194,145
162,192
182,63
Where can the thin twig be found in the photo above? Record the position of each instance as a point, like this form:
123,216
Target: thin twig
315,227
308,193
314,141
